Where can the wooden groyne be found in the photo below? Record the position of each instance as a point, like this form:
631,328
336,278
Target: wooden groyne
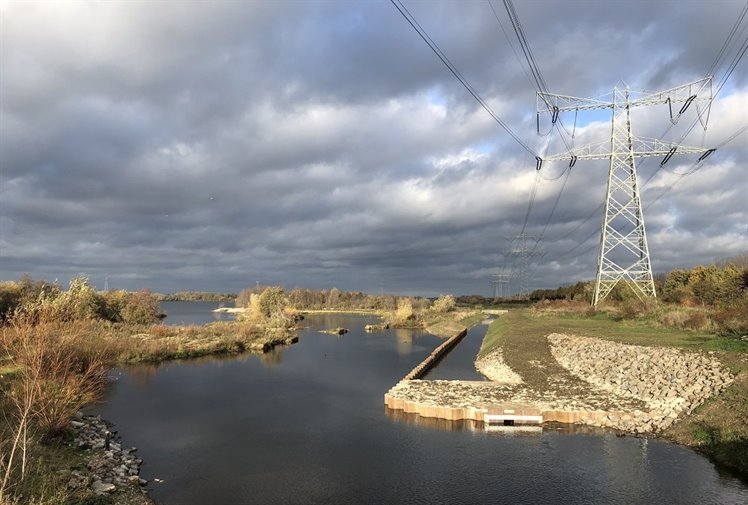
425,365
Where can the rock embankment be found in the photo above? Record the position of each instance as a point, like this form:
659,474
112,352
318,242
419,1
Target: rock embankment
492,366
110,465
669,381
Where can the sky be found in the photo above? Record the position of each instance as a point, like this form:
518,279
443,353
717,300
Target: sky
194,145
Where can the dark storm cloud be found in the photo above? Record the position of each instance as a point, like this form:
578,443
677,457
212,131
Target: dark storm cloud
179,145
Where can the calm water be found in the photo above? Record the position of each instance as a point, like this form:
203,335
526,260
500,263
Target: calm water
186,313
460,362
307,425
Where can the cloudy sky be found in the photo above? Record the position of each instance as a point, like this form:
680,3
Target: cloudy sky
180,145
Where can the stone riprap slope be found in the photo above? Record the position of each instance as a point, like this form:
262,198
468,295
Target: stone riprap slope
493,367
109,468
479,395
669,381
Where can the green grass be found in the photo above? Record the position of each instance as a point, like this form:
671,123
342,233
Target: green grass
726,344
472,319
603,326
495,335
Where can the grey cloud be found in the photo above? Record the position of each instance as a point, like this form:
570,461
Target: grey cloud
176,146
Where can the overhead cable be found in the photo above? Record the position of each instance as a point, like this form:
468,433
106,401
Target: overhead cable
443,57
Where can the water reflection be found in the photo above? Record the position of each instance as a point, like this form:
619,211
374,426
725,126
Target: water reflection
311,429
141,374
410,419
404,341
272,357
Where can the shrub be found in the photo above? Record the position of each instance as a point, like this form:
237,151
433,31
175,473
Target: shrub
140,308
634,308
404,312
444,304
271,302
696,321
705,434
79,302
10,295
112,304
733,320
269,307
674,319
59,371
242,299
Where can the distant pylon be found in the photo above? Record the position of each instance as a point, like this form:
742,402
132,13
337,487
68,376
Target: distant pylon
523,249
106,282
624,253
500,283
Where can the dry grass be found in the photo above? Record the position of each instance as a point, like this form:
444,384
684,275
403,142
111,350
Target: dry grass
56,372
159,342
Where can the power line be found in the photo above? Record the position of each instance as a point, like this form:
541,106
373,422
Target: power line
541,86
506,36
555,204
736,59
734,29
540,83
533,193
443,57
517,26
697,165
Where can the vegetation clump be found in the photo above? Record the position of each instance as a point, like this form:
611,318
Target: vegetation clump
35,300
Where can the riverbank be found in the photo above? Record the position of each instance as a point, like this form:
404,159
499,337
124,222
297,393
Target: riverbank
689,392
56,368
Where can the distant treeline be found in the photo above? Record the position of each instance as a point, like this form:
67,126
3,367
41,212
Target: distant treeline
197,296
320,299
314,299
487,302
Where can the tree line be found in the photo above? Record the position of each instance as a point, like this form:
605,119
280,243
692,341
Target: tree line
721,285
335,299
196,296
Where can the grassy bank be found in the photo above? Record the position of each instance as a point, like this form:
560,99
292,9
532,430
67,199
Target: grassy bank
718,428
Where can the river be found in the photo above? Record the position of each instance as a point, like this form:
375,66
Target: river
306,424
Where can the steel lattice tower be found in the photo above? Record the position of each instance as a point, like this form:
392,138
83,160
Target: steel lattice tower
500,283
624,253
521,251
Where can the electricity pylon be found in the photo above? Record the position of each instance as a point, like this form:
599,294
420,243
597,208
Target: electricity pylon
500,283
623,253
521,251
